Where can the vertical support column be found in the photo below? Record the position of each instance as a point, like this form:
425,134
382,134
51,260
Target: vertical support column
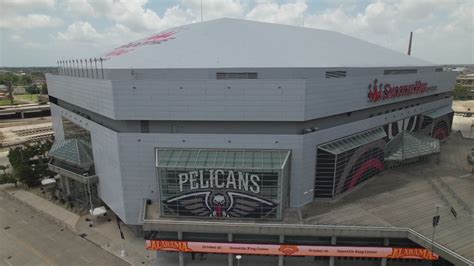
68,189
332,259
22,114
386,242
181,254
230,257
280,257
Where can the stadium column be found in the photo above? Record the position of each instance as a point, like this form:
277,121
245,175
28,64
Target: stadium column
332,259
383,262
280,257
230,257
181,254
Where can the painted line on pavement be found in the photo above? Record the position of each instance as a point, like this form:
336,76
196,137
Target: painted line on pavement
84,259
32,249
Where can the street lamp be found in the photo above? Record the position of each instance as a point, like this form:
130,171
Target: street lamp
436,219
238,257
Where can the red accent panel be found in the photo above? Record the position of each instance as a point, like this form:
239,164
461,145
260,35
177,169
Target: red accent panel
372,163
440,133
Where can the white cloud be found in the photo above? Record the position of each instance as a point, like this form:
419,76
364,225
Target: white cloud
18,40
212,9
131,13
80,32
269,11
22,5
30,21
80,8
443,28
421,9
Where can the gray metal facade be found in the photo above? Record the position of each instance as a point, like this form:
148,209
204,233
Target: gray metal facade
124,154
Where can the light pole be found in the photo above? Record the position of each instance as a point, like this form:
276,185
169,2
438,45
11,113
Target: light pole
435,224
238,257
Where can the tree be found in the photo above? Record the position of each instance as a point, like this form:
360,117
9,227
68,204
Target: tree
26,79
25,174
4,168
30,162
7,178
44,89
32,89
460,92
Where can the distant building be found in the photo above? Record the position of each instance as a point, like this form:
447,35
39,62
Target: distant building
466,81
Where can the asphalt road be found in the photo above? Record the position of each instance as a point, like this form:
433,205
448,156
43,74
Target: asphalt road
28,238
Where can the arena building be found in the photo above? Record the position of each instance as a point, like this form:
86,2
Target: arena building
209,137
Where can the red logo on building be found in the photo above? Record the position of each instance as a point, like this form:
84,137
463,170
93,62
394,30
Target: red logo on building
155,39
379,91
288,250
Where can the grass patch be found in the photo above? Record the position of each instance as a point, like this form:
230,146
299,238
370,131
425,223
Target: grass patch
27,97
4,102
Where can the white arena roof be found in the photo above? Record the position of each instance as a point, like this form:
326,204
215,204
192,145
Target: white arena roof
233,43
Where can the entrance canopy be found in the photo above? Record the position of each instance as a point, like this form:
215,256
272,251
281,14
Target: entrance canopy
408,145
348,143
75,152
223,159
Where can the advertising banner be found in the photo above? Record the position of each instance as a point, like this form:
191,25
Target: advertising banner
291,250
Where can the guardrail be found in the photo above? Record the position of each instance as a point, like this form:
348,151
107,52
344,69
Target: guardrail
343,229
460,201
86,68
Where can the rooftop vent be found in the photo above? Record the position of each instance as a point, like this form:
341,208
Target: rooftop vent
240,75
335,74
399,71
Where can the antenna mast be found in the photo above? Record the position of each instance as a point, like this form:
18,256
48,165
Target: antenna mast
409,44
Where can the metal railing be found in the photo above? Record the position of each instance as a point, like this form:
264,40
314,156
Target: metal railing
86,68
460,201
408,232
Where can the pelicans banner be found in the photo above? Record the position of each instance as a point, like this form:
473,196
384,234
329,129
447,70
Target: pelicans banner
291,250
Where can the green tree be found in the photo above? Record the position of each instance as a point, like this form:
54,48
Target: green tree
9,76
32,89
26,79
7,178
30,162
25,174
460,92
4,168
44,89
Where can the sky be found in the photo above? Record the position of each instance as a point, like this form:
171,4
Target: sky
40,32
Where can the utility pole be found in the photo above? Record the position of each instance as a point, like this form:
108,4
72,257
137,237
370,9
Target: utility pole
201,10
10,90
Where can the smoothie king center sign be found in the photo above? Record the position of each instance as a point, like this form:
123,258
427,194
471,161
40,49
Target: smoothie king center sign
379,91
220,193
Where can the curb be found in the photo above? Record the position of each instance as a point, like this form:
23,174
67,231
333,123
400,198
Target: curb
45,214
59,222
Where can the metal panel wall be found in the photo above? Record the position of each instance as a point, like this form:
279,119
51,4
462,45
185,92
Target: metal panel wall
105,150
221,100
325,97
125,162
92,94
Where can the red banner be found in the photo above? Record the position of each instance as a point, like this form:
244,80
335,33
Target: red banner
291,250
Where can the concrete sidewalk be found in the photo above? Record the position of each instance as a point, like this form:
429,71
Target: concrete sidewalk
103,233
